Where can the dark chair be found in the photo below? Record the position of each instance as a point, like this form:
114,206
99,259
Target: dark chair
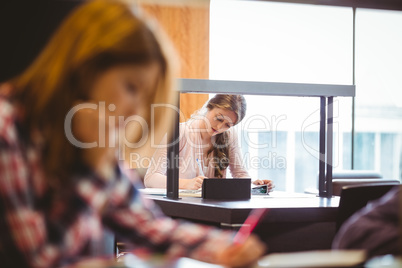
341,178
355,197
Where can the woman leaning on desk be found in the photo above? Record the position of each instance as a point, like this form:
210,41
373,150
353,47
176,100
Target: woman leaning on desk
208,146
56,197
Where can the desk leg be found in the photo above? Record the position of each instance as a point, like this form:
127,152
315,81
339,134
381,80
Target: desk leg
330,141
321,170
326,147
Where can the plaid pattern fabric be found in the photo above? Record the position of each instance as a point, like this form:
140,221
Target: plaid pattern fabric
37,232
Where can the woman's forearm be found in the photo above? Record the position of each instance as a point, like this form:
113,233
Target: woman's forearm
155,180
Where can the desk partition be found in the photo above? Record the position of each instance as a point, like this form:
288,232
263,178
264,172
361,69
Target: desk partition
325,92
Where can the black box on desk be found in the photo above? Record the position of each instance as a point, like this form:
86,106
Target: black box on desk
226,189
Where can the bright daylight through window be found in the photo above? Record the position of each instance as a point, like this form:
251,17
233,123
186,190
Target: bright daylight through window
298,43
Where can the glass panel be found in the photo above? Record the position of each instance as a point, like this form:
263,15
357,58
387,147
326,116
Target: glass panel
273,157
364,156
378,91
277,42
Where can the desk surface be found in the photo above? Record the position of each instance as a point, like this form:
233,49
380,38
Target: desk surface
283,207
292,219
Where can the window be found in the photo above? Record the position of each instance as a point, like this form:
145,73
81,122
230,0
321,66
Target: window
282,42
378,138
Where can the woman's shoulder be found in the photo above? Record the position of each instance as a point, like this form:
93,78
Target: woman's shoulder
189,134
232,134
189,128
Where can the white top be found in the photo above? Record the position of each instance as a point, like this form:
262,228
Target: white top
190,149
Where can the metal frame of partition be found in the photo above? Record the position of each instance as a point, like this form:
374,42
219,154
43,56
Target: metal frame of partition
172,171
325,92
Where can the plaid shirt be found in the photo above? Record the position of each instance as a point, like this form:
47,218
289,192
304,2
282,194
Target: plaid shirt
35,232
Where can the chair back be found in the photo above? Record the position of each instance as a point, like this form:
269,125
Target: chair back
355,197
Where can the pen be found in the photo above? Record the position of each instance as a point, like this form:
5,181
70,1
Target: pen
249,225
200,167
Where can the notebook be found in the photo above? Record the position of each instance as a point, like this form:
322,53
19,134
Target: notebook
162,192
318,259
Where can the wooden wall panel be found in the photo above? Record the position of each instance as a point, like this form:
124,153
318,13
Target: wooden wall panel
188,28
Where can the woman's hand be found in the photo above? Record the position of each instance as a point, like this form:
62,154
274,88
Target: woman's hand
193,184
269,184
240,255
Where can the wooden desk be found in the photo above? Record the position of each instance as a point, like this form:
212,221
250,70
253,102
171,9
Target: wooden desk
294,222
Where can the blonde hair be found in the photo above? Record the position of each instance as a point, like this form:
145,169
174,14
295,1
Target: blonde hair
96,36
236,104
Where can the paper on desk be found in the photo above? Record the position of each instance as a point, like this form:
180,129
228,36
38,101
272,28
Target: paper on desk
162,192
153,191
132,261
319,258
190,193
281,194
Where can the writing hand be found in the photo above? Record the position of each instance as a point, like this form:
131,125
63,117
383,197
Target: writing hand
192,184
240,255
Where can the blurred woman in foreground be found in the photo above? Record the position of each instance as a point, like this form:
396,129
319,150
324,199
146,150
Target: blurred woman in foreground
60,183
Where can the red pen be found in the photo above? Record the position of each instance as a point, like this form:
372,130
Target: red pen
249,225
